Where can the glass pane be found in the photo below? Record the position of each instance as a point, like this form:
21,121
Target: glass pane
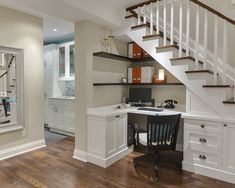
8,92
61,61
71,56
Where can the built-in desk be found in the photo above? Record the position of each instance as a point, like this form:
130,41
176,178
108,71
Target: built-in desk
213,156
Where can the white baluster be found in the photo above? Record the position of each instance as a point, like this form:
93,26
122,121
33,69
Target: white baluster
144,13
197,37
225,53
215,49
3,86
205,38
157,17
188,28
139,15
151,18
180,27
165,24
172,22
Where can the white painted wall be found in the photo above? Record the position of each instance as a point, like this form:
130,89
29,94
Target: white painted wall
19,30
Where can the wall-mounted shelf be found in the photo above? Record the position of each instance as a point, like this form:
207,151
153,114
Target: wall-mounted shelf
121,58
143,84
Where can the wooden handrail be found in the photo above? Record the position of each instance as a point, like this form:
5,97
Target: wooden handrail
219,14
213,11
141,4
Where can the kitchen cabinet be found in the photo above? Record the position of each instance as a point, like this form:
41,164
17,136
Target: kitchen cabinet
61,115
66,64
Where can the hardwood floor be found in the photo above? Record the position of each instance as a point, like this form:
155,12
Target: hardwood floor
54,167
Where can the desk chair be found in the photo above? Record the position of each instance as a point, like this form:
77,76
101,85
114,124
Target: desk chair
161,135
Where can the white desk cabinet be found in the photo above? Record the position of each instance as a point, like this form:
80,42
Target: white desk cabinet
61,116
229,147
107,139
209,149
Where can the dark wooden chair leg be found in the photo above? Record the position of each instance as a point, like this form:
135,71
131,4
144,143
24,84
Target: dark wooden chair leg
156,159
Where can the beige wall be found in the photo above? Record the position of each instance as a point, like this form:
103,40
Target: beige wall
19,30
109,70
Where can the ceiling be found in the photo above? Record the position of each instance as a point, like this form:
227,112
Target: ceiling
61,14
64,30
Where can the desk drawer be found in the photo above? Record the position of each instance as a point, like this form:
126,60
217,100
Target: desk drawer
204,158
203,126
204,142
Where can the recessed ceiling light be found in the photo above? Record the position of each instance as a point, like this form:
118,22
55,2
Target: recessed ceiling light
55,30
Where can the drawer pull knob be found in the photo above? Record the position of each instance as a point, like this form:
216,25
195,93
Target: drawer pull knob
202,140
225,125
202,126
203,157
117,116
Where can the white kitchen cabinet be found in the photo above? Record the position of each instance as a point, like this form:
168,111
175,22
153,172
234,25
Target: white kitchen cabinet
107,139
66,63
228,147
61,115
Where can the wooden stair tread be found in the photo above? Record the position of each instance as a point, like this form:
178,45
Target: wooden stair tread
151,36
229,102
185,58
130,16
167,46
200,71
140,26
216,86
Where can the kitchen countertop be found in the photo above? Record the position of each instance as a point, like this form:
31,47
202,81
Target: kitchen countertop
62,98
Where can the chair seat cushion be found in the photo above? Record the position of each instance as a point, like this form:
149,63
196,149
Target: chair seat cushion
143,140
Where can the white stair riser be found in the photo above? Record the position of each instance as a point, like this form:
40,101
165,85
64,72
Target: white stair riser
215,92
191,64
201,76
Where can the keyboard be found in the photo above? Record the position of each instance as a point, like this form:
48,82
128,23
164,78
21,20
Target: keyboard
151,109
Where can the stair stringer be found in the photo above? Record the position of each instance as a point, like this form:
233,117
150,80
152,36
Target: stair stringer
214,103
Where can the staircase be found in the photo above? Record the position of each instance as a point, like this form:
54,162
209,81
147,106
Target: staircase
163,28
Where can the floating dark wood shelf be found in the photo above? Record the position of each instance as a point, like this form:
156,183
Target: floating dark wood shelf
112,56
216,86
143,84
229,102
121,58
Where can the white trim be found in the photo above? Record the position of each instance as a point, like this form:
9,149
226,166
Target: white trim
80,155
179,147
6,128
105,162
17,150
210,172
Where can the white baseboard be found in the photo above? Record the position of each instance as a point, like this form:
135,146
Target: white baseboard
179,147
80,155
17,150
105,162
210,172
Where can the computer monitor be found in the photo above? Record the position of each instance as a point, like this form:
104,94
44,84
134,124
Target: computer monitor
140,95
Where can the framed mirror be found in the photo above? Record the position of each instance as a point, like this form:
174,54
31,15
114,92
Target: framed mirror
11,89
